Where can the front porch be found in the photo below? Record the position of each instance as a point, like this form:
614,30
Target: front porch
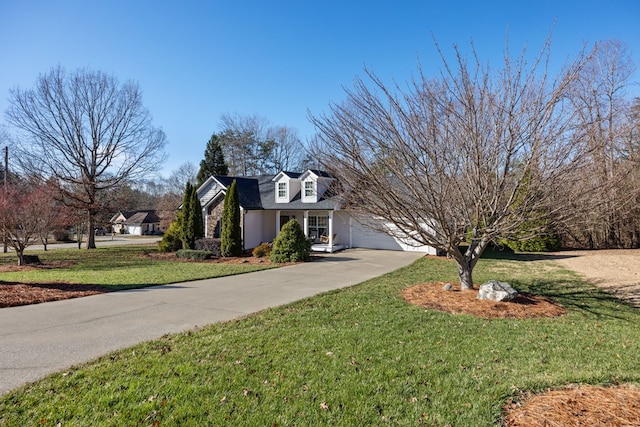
318,226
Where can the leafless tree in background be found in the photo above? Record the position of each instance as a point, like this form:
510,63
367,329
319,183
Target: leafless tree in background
86,131
252,146
467,156
605,117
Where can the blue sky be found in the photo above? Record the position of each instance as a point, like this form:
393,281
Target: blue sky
196,60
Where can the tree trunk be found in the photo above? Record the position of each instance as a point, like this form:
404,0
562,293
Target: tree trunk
20,257
91,233
466,277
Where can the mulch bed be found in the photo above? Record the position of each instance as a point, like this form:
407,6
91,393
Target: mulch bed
15,294
577,406
433,296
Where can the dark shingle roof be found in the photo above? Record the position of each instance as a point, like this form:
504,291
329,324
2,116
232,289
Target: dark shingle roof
259,193
248,190
141,217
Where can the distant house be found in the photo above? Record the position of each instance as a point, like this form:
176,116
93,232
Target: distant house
136,223
267,202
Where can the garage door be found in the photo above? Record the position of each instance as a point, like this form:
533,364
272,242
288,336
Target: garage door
365,237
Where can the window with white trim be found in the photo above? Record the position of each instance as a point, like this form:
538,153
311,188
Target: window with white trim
282,190
318,226
308,189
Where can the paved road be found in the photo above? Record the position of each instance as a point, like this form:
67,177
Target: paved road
40,339
101,241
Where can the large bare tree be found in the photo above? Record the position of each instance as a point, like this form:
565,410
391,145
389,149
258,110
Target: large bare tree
88,132
458,160
604,115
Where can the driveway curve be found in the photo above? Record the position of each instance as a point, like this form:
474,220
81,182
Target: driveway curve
40,339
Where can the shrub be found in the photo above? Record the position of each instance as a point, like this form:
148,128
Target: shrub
262,250
231,233
291,245
172,239
545,243
209,245
193,254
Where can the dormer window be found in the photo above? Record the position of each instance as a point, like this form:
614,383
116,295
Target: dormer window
308,189
282,190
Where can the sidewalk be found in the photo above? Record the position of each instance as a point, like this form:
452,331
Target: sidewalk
40,339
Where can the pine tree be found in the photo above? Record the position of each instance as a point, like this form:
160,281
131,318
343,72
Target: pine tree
231,233
213,162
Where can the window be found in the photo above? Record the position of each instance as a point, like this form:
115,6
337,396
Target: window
308,189
282,190
318,226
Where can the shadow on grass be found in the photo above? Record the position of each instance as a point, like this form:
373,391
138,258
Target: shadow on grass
508,254
576,295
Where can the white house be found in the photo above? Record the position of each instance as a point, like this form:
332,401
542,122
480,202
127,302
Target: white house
267,202
136,222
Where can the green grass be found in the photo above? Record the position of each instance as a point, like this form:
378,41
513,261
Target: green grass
354,357
118,268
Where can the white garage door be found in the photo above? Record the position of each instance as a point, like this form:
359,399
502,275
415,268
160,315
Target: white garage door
365,237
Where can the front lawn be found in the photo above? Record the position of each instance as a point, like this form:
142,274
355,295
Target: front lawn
116,268
358,356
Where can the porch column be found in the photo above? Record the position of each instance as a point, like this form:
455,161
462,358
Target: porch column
330,231
277,223
206,223
305,223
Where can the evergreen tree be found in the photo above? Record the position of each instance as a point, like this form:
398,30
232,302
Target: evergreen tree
188,226
196,209
231,233
213,162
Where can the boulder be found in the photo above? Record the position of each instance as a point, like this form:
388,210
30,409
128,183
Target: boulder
497,291
447,287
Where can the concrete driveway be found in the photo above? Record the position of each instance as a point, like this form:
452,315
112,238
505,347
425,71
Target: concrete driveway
40,339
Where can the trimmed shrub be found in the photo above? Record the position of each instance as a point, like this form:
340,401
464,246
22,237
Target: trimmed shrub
172,239
209,245
291,245
231,233
193,254
262,250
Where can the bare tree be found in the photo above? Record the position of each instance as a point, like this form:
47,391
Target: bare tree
288,151
252,146
88,132
604,115
466,157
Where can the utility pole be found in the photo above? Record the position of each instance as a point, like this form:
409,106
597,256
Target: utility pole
6,167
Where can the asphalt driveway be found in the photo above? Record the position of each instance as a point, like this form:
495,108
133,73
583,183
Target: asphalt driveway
40,339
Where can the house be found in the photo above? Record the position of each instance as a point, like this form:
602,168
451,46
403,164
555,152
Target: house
136,222
267,202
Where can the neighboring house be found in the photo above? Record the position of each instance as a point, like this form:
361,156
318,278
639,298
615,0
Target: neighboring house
267,202
136,222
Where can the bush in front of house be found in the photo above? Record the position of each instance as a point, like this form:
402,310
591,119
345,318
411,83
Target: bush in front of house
291,245
209,245
194,254
231,232
172,238
262,250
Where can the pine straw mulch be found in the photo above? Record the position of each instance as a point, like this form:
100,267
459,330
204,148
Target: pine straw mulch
574,406
433,296
577,406
13,294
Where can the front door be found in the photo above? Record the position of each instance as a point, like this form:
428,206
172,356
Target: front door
283,220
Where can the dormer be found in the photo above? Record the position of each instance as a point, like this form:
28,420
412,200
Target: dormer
287,185
314,183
